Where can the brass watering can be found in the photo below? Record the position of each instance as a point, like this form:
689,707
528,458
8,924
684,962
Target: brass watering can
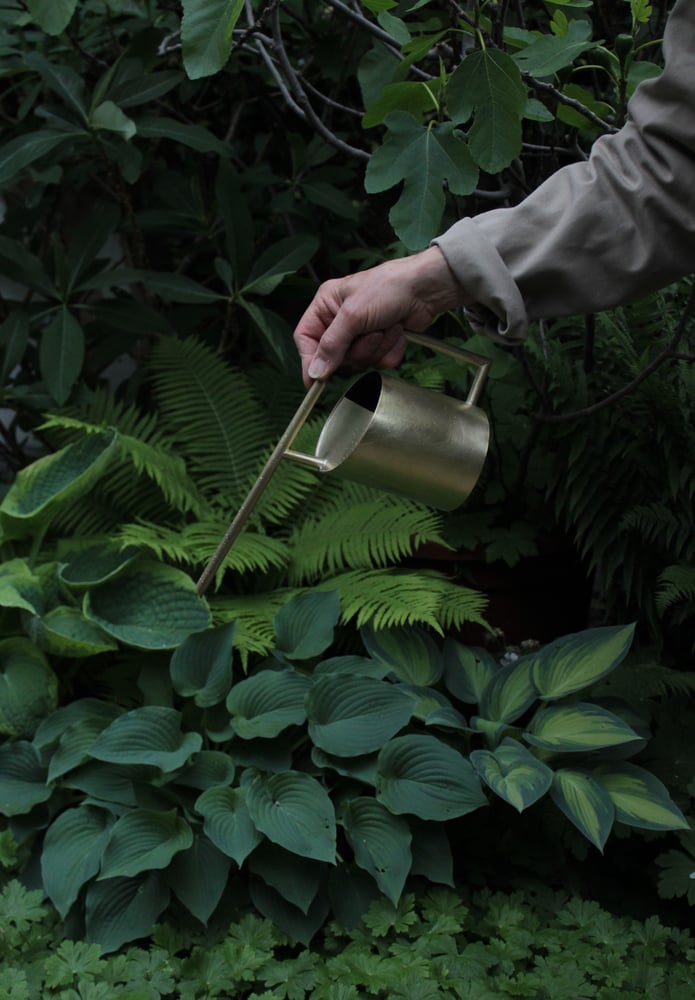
387,433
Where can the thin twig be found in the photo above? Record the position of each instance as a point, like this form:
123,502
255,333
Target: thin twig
569,102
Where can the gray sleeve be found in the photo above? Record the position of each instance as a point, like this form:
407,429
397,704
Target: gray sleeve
598,233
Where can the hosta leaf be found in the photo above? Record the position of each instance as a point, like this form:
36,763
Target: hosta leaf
467,671
52,480
151,606
23,779
549,53
575,661
304,626
207,769
149,735
71,853
104,782
95,564
206,34
294,811
75,745
576,727
289,919
143,840
28,687
585,803
431,852
201,667
419,774
296,879
509,693
119,910
640,799
83,710
267,703
409,653
361,768
61,354
513,773
65,631
356,666
381,844
350,716
198,876
19,588
227,821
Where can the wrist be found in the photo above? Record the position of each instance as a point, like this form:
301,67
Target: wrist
435,282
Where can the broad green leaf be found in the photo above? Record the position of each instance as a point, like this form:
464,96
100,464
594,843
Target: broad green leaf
513,773
227,821
294,811
151,606
409,653
65,631
61,354
361,768
447,717
201,667
104,782
381,844
71,853
550,53
572,116
578,727
467,671
420,775
23,780
19,588
207,769
431,852
198,877
18,153
75,745
296,879
14,337
585,803
640,799
282,258
52,480
234,213
304,626
87,241
149,735
95,564
206,34
351,891
119,910
423,157
108,116
289,919
414,97
61,79
28,687
194,136
488,83
143,840
509,693
79,712
575,661
172,287
275,330
53,16
677,876
356,666
136,90
350,716
268,703
26,269
426,701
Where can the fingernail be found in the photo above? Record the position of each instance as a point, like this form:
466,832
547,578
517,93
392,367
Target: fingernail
318,368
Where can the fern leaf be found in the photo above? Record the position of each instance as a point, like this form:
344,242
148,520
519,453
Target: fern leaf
676,583
254,614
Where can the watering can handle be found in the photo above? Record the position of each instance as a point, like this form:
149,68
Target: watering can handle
480,362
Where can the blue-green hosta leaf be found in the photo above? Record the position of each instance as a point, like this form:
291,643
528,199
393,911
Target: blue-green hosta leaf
143,840
296,879
513,773
119,910
361,768
304,626
381,844
206,34
422,157
447,717
509,693
549,53
52,480
585,803
289,919
294,811
28,687
431,852
409,653
425,701
488,83
227,821
95,564
201,667
65,631
282,258
467,670
108,783
75,745
83,710
71,853
356,666
640,799
207,769
578,727
151,606
351,716
61,354
52,16
23,779
198,877
575,661
425,777
267,703
149,735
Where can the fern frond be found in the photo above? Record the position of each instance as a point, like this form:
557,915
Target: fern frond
676,583
374,534
254,614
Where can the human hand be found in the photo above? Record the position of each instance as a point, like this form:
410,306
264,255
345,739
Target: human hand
362,319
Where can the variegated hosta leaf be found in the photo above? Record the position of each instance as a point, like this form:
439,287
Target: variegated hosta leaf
201,667
64,631
227,821
575,661
585,803
294,811
268,702
421,775
148,735
513,773
23,779
578,727
28,687
467,671
350,716
509,693
71,853
409,653
142,840
640,799
381,844
95,564
304,626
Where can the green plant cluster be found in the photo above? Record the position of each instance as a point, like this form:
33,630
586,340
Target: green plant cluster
437,944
